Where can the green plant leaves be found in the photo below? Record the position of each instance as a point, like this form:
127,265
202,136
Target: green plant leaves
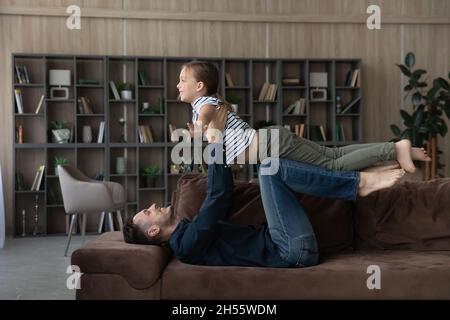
416,99
395,130
410,59
443,83
408,120
404,70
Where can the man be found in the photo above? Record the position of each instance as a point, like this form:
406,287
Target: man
286,240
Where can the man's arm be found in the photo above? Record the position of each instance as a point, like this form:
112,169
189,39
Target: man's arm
201,231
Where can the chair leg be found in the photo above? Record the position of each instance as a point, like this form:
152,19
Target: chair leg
83,227
111,223
119,220
69,237
102,220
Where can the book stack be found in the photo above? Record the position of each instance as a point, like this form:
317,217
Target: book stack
145,134
353,78
38,179
300,130
297,108
268,92
22,74
291,81
84,106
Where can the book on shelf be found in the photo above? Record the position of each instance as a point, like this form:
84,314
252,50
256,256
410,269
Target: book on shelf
114,90
143,78
87,107
172,128
41,101
38,179
20,134
340,136
322,131
22,74
268,92
298,107
291,81
101,132
145,134
317,133
85,81
300,130
19,103
353,78
349,105
263,91
230,82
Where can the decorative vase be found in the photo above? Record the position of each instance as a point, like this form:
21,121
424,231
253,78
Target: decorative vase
60,135
126,94
87,134
120,165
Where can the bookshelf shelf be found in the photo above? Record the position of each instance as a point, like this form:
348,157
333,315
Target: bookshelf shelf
154,80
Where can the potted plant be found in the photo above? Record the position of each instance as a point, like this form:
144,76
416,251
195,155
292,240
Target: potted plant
234,100
150,174
60,132
126,91
427,120
59,161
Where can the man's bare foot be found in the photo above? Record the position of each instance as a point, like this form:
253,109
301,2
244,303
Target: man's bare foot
419,154
374,181
403,151
382,168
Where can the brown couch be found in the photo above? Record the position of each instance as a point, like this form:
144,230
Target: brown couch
404,230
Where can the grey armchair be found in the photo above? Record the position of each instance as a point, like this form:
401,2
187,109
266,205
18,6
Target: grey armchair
82,196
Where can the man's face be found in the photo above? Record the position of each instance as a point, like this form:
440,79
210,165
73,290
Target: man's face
188,86
154,215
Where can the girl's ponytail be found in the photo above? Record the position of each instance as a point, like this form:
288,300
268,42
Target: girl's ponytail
223,102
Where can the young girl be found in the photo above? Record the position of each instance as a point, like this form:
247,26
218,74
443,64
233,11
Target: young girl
198,86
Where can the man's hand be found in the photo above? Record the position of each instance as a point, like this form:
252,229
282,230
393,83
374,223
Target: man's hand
217,125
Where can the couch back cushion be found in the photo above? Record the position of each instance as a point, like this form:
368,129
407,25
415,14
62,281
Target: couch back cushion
331,219
410,215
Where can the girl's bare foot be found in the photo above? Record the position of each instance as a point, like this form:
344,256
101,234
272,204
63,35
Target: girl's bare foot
419,154
403,151
374,181
382,168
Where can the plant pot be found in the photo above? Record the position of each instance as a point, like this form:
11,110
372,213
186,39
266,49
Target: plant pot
60,135
126,94
56,171
235,107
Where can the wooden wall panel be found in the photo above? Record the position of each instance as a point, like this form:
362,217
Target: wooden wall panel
205,38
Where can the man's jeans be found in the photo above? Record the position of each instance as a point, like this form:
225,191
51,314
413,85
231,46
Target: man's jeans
289,226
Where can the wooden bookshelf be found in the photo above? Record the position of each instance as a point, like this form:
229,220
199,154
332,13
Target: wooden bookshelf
91,76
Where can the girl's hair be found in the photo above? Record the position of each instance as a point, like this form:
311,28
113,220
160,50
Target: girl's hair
207,73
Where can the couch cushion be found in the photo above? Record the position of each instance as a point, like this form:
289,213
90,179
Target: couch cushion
140,265
331,219
404,275
410,215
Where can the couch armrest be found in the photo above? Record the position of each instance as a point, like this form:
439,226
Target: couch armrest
140,265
